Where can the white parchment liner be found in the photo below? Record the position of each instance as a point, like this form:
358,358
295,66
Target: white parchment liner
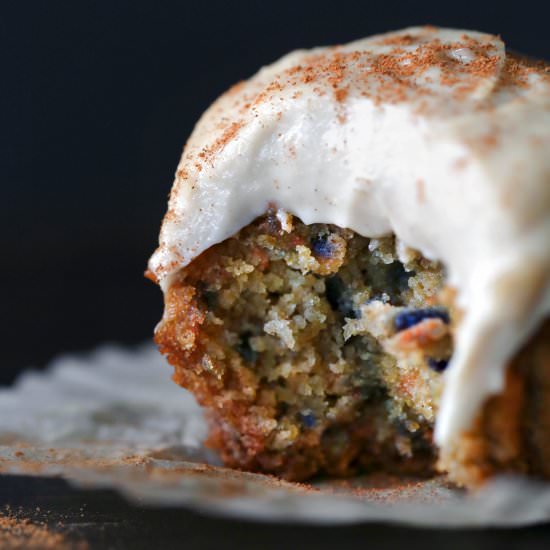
115,419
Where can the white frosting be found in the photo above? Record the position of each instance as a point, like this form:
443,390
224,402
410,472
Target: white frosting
453,157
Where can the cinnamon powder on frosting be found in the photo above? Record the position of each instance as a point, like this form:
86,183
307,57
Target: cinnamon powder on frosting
392,77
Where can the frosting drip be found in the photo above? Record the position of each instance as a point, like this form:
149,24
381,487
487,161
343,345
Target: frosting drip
436,135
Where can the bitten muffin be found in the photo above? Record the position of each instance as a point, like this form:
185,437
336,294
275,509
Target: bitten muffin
351,280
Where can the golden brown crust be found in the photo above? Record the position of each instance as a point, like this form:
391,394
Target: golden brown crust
512,433
537,410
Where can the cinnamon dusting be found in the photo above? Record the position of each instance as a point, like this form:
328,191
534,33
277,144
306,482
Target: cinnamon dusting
24,534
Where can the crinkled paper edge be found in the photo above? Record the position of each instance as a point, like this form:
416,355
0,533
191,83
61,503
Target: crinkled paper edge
113,419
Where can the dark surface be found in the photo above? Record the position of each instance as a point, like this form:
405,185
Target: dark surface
97,101
105,520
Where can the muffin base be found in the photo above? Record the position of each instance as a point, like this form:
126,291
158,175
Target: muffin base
318,351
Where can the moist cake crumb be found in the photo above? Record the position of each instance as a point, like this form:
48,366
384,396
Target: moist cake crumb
289,339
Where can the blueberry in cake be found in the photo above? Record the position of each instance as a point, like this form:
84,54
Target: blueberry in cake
355,261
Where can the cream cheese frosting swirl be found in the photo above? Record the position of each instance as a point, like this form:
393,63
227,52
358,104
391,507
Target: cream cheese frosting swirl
436,135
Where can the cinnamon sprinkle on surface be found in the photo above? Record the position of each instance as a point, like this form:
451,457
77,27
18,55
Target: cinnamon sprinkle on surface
24,534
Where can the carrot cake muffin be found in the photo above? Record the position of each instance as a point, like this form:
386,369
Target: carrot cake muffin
356,261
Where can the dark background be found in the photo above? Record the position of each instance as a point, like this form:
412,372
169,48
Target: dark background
97,101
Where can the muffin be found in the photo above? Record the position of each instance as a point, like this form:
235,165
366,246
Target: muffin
355,261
